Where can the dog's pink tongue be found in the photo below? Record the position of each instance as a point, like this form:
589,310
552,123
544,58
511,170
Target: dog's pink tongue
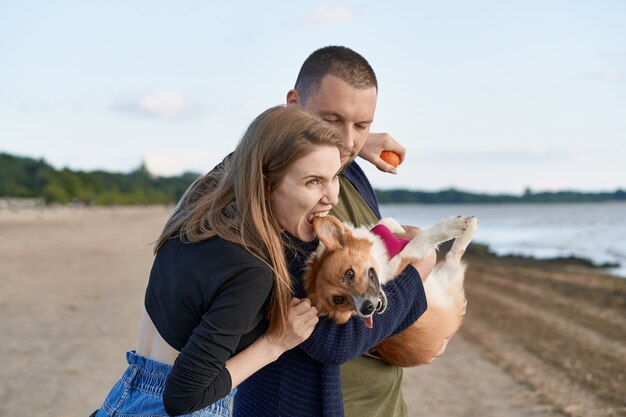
369,322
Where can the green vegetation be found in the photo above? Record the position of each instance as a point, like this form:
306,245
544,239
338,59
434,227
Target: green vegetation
31,178
453,196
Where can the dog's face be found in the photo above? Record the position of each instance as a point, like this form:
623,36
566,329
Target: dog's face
342,280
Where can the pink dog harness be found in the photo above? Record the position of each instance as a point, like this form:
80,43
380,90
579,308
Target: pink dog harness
394,244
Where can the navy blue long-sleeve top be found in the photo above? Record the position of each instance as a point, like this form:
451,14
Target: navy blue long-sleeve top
305,381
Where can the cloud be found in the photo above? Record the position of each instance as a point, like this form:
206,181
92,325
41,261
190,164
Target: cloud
161,104
175,163
611,74
334,14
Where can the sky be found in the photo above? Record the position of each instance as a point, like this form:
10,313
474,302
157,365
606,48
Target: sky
486,96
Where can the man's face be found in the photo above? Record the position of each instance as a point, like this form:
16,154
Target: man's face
349,110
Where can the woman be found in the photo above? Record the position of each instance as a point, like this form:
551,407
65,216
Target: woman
220,270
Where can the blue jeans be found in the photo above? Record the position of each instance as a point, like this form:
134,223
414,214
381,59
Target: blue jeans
139,392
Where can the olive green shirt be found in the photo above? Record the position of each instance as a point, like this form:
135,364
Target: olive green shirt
351,206
371,388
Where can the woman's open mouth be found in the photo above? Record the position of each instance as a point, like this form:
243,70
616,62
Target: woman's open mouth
311,217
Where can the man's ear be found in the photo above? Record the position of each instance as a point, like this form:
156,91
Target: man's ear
293,97
330,231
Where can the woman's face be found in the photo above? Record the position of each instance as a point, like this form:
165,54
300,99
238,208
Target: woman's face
310,188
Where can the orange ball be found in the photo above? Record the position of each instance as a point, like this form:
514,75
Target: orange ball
391,158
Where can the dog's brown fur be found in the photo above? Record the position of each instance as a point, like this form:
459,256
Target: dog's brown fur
343,248
329,265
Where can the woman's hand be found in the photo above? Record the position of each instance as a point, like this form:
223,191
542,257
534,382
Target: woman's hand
301,321
375,144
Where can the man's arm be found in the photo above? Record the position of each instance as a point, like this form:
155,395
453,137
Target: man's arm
375,144
336,344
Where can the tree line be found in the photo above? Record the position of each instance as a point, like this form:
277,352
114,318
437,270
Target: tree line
23,177
453,196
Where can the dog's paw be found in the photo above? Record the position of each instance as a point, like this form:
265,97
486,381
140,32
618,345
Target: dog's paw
469,228
460,244
472,225
452,227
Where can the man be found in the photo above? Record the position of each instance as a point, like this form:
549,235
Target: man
338,85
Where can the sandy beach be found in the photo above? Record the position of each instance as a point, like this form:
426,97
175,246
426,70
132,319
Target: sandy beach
540,338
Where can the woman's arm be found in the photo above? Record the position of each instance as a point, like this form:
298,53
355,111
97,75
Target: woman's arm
206,371
199,377
302,319
336,344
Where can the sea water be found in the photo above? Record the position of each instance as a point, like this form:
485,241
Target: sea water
592,231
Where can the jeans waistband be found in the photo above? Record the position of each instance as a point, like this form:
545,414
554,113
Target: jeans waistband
145,374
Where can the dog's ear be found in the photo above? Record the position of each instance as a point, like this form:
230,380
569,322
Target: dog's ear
330,231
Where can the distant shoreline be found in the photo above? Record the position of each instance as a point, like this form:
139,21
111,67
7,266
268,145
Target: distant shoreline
24,177
574,261
479,249
454,196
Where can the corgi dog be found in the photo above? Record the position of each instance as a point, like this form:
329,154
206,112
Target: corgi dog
344,277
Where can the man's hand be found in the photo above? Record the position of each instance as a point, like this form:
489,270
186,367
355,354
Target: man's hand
425,265
375,144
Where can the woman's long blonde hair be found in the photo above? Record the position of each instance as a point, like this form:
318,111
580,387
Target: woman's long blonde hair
233,202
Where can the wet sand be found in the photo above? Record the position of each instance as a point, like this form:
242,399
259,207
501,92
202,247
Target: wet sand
539,339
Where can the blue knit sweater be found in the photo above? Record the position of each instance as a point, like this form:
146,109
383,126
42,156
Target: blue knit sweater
305,381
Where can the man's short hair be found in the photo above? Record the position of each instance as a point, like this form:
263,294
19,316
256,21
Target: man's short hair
339,61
